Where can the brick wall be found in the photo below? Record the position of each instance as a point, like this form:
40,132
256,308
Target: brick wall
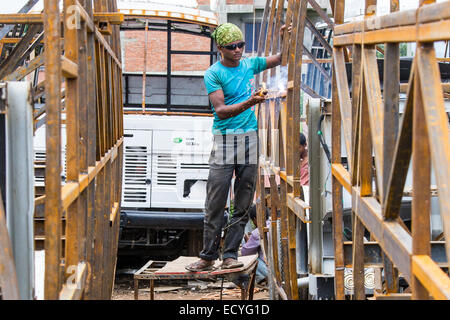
133,43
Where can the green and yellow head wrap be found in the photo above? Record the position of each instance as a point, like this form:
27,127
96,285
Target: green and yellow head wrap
227,33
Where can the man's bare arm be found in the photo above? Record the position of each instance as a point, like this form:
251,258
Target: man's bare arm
273,61
224,111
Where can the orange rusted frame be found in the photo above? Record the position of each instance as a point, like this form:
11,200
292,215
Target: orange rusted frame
423,137
36,18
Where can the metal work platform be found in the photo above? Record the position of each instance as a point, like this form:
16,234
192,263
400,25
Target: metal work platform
174,270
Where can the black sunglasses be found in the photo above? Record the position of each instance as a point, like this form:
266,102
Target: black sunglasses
234,46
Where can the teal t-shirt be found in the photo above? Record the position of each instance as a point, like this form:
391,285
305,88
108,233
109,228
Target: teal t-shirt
237,84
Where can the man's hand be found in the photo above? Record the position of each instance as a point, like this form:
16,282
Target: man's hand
275,60
257,97
227,111
282,30
262,91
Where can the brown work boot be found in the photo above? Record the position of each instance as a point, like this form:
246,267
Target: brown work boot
231,263
200,265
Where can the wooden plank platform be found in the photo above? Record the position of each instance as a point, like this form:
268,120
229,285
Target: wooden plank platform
175,270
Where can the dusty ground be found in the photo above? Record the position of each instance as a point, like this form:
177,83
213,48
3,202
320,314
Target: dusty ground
187,290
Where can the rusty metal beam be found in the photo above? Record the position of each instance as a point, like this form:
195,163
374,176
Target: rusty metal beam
20,51
53,205
38,18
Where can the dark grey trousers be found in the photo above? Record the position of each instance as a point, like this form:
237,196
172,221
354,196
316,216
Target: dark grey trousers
217,189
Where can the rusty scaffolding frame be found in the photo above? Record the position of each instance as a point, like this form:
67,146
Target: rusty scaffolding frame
279,127
368,119
83,75
379,150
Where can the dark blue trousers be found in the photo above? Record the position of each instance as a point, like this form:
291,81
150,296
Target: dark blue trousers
217,189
